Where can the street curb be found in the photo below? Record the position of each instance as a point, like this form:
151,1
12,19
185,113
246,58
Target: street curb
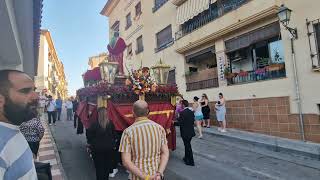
56,152
63,174
277,143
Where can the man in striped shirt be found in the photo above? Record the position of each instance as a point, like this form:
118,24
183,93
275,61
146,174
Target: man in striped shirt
143,146
17,96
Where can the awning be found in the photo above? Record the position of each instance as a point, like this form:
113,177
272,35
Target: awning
202,54
245,40
190,9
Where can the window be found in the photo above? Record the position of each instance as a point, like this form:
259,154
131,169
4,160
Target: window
158,4
129,49
164,37
317,31
139,45
129,22
172,77
138,9
116,26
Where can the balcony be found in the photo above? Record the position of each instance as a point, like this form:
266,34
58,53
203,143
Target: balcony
221,21
271,72
202,80
215,11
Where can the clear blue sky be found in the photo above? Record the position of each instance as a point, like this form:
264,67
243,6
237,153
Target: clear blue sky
78,31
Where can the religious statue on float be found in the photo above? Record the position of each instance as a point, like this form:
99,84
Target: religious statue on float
116,48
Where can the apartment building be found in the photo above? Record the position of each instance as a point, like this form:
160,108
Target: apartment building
50,77
94,61
237,47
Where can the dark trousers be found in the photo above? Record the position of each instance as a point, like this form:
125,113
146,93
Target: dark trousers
52,115
79,127
58,113
188,155
34,146
102,163
75,118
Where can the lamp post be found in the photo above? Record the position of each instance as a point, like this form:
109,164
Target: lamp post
284,15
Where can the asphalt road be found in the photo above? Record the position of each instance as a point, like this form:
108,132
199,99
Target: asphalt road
215,158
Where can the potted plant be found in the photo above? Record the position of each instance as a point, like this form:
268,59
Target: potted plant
228,74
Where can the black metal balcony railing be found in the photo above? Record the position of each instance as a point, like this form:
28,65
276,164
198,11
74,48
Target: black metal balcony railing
253,76
215,11
209,83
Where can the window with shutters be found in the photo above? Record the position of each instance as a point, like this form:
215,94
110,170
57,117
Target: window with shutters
313,29
129,49
128,20
164,38
139,45
158,4
138,9
317,36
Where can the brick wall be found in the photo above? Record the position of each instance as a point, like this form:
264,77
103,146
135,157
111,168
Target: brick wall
270,116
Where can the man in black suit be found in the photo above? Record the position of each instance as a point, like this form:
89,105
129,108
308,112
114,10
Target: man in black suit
186,121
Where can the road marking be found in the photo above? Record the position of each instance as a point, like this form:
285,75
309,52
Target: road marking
45,145
45,153
261,173
51,161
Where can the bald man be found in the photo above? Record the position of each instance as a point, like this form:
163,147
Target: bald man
17,97
143,146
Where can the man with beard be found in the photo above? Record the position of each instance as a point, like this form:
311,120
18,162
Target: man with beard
17,97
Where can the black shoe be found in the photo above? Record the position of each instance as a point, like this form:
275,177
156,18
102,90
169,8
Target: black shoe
189,164
184,159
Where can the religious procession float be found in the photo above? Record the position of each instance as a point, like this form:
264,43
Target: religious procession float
107,87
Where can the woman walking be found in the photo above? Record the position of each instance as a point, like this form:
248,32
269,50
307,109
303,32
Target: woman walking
205,110
33,131
100,138
221,113
198,115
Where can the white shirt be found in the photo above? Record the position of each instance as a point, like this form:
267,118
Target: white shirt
51,105
42,101
69,105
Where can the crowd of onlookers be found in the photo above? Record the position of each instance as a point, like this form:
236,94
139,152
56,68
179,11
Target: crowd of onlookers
143,145
201,111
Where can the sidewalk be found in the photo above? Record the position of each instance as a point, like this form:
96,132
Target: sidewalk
48,152
277,143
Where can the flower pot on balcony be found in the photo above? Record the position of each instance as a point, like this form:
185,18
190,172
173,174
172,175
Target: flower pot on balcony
230,75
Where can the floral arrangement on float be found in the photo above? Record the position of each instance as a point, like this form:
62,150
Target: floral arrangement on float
140,81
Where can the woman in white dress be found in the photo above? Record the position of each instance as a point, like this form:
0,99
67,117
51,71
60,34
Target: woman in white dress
221,113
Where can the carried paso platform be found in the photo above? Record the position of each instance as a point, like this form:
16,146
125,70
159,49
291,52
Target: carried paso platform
108,88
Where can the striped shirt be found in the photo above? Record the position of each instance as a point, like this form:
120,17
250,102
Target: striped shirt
143,140
16,160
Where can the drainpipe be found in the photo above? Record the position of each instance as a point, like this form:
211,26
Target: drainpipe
297,88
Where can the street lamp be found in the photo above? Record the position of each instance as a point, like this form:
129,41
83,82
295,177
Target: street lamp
161,72
108,71
284,15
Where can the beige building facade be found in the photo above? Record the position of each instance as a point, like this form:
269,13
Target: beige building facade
237,47
50,77
94,61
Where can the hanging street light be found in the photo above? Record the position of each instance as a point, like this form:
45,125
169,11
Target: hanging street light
284,15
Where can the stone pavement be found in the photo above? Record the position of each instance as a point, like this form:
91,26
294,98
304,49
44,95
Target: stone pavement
48,152
277,143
